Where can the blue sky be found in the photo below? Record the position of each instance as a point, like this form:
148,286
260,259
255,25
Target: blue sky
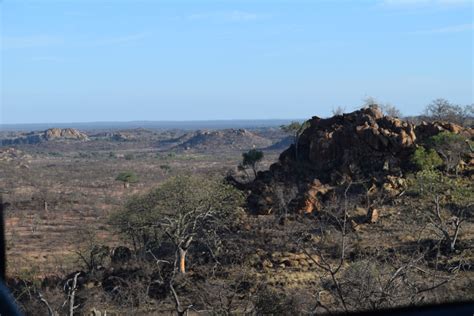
91,60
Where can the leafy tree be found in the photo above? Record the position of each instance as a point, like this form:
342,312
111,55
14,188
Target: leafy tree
183,210
250,159
127,178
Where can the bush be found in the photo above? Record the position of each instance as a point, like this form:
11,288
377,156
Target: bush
271,302
183,208
452,147
426,159
251,158
127,178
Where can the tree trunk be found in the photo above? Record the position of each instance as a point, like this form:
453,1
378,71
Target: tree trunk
254,172
126,185
182,260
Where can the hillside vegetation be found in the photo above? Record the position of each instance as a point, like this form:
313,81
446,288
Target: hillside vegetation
362,211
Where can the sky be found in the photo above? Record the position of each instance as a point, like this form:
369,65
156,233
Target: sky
97,60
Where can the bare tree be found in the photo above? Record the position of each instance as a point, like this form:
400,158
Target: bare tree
390,110
339,110
442,110
71,286
448,228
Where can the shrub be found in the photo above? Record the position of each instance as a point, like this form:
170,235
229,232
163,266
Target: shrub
426,159
451,147
251,158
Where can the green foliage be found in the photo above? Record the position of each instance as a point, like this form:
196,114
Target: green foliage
128,177
452,147
251,157
165,167
446,138
431,183
426,159
182,206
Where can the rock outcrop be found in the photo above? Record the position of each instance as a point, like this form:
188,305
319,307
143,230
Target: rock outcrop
52,134
238,139
362,146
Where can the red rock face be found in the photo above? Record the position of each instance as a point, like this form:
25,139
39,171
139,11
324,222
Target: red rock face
360,146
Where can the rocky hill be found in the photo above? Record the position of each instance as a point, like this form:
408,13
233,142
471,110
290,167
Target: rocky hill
52,134
233,139
362,146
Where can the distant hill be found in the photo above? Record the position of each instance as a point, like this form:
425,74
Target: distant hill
52,134
240,139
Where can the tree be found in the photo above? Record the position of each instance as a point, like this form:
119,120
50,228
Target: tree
339,110
370,101
250,159
440,189
183,210
390,110
295,128
451,147
442,110
387,109
127,178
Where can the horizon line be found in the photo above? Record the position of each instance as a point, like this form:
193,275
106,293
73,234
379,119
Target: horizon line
153,121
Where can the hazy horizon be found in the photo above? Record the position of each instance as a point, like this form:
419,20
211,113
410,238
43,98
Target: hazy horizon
184,125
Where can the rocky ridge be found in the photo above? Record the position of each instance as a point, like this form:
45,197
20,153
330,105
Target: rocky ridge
359,147
239,139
